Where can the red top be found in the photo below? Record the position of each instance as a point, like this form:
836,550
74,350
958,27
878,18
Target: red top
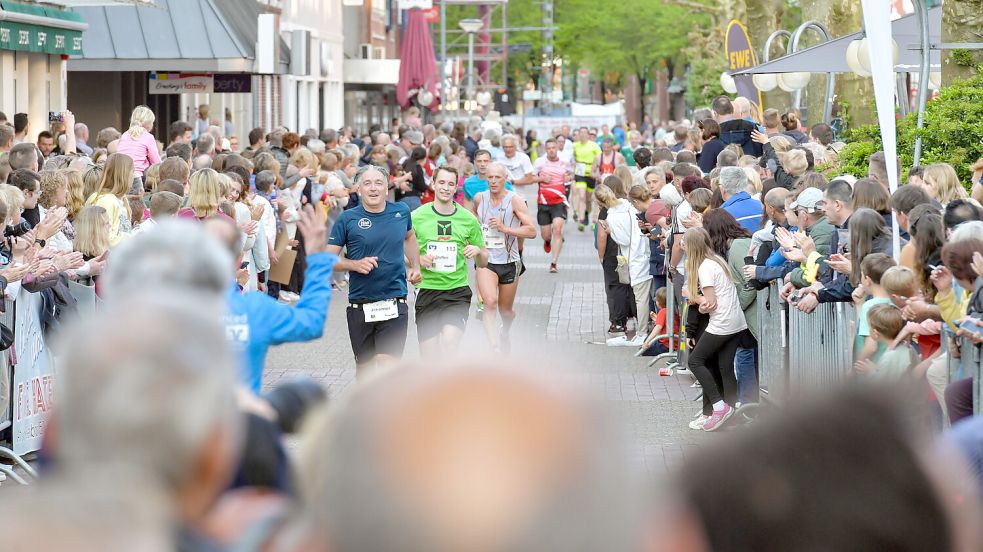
660,320
554,191
607,168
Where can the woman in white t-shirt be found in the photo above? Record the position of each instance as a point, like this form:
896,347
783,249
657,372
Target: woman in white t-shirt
710,288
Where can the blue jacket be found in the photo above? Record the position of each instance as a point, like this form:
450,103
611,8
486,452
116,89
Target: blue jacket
255,321
746,210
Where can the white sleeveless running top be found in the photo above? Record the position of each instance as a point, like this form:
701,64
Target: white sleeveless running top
502,249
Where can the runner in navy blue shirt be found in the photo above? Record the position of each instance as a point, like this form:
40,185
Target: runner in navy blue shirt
377,236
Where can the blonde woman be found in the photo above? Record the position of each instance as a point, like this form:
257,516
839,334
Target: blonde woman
942,183
709,287
13,198
75,196
618,295
92,240
204,195
256,257
54,195
151,177
91,181
754,182
138,143
111,196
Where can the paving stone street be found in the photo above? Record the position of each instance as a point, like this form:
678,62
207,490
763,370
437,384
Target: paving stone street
562,320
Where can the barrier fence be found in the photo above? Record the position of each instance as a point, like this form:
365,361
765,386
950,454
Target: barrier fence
800,352
27,377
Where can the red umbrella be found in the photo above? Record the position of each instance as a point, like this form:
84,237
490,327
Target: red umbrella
417,66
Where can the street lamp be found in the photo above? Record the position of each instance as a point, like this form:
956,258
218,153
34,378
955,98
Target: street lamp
471,26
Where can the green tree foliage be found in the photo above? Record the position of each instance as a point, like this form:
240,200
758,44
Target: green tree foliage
625,37
952,134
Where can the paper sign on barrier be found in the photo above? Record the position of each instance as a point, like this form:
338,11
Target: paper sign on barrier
33,389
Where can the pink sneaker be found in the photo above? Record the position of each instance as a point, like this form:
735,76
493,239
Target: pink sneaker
718,418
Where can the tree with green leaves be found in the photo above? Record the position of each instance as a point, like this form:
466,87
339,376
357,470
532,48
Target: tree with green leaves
625,38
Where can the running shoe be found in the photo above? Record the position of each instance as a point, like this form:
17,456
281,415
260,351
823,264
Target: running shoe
547,247
553,269
616,330
719,417
700,422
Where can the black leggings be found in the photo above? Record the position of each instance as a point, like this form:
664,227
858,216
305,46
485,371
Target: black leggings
719,382
620,297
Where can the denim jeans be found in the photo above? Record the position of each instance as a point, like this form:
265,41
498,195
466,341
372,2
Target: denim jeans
745,361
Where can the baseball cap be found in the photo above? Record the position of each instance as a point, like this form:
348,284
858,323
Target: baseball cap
810,199
658,209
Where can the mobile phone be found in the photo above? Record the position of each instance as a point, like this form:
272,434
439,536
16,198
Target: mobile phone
971,326
243,265
56,117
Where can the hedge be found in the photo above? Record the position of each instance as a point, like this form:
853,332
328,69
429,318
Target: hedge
953,133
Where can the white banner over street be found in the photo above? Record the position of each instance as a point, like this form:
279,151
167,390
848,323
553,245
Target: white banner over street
877,24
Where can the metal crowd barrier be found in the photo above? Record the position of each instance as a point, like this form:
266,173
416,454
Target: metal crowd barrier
800,352
6,369
820,346
772,345
968,365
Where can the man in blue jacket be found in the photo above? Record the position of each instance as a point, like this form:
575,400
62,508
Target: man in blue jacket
255,321
746,209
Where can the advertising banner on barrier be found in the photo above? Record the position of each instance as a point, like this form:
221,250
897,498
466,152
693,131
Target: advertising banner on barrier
33,390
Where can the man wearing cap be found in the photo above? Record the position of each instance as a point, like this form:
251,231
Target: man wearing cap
808,206
733,188
409,140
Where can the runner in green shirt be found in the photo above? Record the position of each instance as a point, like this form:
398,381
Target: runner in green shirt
634,142
449,236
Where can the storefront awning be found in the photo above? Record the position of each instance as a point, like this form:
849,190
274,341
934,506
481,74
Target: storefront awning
830,57
36,28
176,35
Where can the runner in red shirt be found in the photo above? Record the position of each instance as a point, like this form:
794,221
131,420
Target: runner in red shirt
552,173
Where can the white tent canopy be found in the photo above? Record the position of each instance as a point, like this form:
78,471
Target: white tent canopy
830,57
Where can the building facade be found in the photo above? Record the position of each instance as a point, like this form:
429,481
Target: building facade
371,63
313,89
35,42
226,52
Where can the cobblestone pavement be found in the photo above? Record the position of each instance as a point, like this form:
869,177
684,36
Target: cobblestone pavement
562,321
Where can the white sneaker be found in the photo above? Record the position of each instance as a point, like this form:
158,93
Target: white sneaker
637,341
619,341
289,296
697,424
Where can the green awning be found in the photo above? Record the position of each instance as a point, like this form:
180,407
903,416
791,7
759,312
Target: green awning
34,28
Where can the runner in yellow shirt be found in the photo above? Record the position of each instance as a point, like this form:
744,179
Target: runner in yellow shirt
584,152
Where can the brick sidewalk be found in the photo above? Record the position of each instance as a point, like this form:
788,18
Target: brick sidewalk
561,319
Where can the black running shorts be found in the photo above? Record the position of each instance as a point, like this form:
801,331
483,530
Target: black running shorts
436,308
387,337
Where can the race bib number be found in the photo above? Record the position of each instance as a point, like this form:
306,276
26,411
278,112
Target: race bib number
444,256
580,169
380,310
494,239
